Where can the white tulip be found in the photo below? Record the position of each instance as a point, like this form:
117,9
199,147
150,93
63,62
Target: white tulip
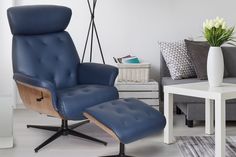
217,22
204,25
207,22
224,25
210,24
217,25
221,21
217,19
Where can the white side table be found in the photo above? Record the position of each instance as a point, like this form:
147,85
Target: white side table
6,122
201,90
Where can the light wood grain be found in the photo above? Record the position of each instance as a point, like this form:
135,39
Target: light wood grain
134,72
134,86
137,87
29,95
139,95
102,126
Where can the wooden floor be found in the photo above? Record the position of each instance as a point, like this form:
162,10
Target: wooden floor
68,146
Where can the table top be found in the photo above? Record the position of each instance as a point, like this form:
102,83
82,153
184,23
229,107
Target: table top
202,89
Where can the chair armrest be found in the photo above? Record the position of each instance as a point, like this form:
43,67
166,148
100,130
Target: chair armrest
32,81
94,73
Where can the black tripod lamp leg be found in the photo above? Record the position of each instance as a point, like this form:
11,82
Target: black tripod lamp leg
99,44
93,29
86,42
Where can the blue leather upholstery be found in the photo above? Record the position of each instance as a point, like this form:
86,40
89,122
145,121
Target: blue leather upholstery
81,97
30,20
44,56
51,57
105,75
130,119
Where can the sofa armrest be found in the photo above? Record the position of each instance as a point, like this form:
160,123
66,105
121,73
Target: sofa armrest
35,82
94,73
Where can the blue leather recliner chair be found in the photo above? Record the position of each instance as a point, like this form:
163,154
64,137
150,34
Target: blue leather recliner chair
47,69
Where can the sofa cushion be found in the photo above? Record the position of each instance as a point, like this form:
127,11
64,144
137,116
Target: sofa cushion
197,111
229,60
73,101
177,60
198,52
230,80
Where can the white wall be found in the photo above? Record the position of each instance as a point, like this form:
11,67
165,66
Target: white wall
135,26
6,82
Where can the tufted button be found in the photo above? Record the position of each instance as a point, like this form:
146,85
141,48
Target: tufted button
86,90
69,74
69,94
43,43
113,103
28,43
130,107
151,114
60,39
125,123
127,100
148,114
137,118
57,58
52,77
118,111
39,60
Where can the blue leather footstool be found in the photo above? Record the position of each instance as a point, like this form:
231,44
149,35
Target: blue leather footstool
127,120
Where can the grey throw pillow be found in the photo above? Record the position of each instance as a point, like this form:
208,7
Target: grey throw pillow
177,60
198,52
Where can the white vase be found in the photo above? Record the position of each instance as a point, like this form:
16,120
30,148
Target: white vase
215,67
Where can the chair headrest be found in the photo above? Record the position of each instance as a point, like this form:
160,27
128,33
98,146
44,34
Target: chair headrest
38,19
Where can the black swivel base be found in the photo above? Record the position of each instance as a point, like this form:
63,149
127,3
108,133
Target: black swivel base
63,131
122,152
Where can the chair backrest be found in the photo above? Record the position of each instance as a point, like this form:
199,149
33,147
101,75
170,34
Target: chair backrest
41,48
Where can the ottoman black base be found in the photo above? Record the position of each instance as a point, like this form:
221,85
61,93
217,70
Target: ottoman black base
122,152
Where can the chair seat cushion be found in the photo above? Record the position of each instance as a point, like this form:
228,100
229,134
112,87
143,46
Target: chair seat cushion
73,101
130,119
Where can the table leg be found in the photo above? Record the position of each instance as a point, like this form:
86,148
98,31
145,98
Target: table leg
220,127
168,111
209,117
